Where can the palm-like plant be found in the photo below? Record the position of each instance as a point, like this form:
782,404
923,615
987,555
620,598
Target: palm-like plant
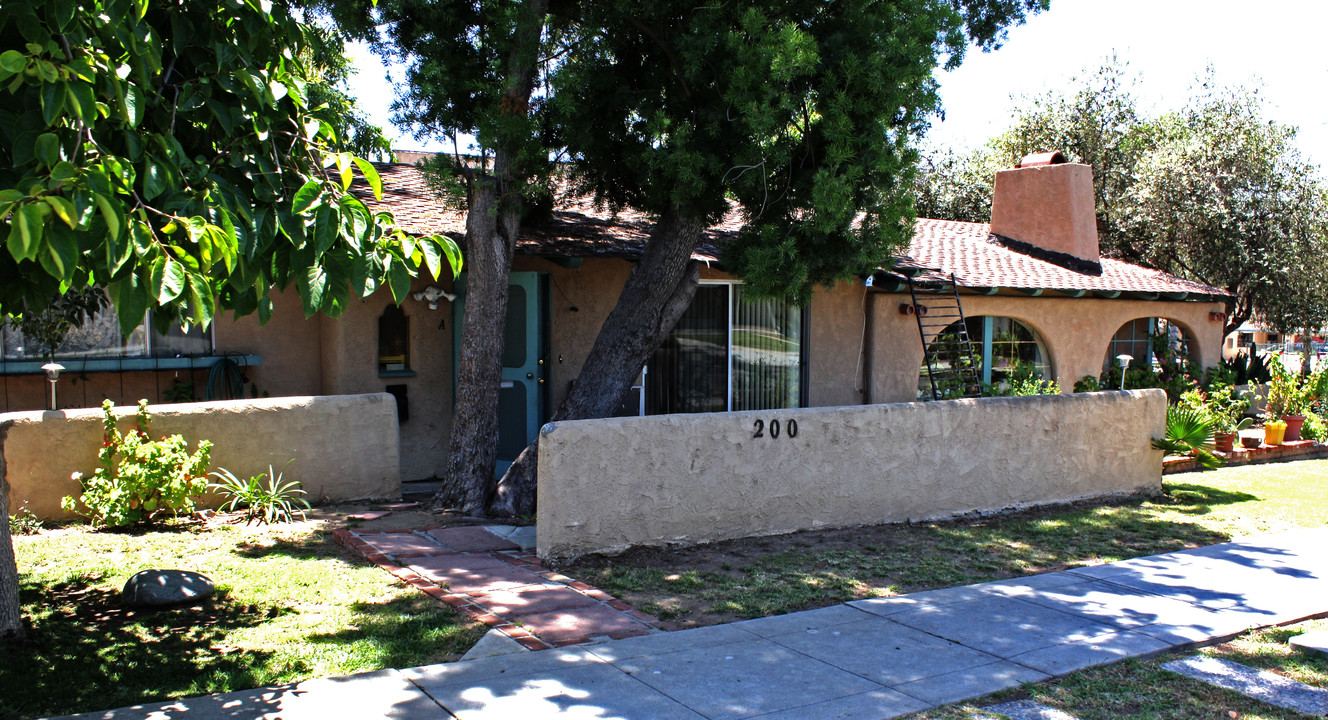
264,503
1189,433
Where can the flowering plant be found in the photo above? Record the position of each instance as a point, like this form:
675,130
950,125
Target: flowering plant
149,478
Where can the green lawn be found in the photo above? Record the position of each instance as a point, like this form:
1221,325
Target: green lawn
770,576
1142,690
291,606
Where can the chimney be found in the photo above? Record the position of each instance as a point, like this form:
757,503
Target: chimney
1046,207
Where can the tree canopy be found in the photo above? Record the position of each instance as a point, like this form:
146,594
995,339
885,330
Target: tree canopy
174,153
185,157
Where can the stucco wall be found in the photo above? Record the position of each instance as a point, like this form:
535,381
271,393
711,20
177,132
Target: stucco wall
606,485
345,447
1076,332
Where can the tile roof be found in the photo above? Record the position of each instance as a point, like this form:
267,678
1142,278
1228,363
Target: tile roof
978,260
578,228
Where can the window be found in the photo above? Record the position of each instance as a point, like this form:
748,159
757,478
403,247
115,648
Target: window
100,338
1001,346
1142,338
393,341
729,351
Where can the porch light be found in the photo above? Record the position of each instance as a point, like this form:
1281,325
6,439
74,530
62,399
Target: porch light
52,375
1124,365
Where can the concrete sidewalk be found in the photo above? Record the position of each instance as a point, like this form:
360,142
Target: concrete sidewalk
866,660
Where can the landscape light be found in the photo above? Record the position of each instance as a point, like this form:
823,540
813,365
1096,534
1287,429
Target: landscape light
1124,365
52,375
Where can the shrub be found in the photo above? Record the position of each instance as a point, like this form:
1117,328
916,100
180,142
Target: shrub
150,477
273,501
1314,428
1087,383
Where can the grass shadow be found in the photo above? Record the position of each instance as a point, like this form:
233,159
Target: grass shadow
1194,499
86,650
406,631
309,547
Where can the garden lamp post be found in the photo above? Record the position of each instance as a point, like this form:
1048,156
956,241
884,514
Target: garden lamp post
1124,365
52,375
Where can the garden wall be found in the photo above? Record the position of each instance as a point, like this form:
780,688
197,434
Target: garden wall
606,485
345,446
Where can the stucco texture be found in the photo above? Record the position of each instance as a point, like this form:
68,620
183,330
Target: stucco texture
344,447
606,485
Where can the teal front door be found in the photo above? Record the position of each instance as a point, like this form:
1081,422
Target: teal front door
523,394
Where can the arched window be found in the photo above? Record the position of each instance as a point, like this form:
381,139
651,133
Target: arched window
1002,346
393,340
1143,339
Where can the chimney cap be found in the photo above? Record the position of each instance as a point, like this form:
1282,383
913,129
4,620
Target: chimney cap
1053,157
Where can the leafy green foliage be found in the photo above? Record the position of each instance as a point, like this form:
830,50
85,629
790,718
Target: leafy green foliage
24,522
185,156
263,502
150,478
1189,433
805,114
1293,394
1314,428
1248,368
1223,407
1023,379
1087,383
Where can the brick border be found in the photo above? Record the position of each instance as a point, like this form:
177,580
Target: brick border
468,605
1295,450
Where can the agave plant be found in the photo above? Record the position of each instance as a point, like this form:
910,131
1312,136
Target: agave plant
1189,433
263,502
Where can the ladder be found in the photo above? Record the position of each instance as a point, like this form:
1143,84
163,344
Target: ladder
952,367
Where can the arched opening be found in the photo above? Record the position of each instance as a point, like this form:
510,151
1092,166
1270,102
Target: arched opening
393,340
1003,349
1147,341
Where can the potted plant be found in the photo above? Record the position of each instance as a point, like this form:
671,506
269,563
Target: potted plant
1290,396
1224,409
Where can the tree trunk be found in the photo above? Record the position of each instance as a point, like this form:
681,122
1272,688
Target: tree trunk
1306,353
657,293
493,223
474,441
11,618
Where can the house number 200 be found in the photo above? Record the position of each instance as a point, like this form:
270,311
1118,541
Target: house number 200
790,428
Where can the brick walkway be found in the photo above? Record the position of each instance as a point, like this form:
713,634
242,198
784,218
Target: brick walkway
496,582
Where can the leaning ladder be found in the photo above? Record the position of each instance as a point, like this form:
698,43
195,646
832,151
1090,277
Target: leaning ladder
951,377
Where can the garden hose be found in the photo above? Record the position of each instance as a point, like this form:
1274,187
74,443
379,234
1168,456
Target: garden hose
225,380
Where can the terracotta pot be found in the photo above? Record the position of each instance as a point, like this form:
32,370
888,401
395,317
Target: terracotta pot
1249,442
1274,434
1224,441
1294,423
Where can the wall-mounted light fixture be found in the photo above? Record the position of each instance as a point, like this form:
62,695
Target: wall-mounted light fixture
432,294
52,375
1124,365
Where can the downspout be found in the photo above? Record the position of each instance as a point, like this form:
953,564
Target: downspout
868,344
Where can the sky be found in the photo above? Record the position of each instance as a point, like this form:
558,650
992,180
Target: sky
1274,45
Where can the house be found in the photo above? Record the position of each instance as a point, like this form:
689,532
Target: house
1032,287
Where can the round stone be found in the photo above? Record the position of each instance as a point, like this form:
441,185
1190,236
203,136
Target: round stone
160,588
